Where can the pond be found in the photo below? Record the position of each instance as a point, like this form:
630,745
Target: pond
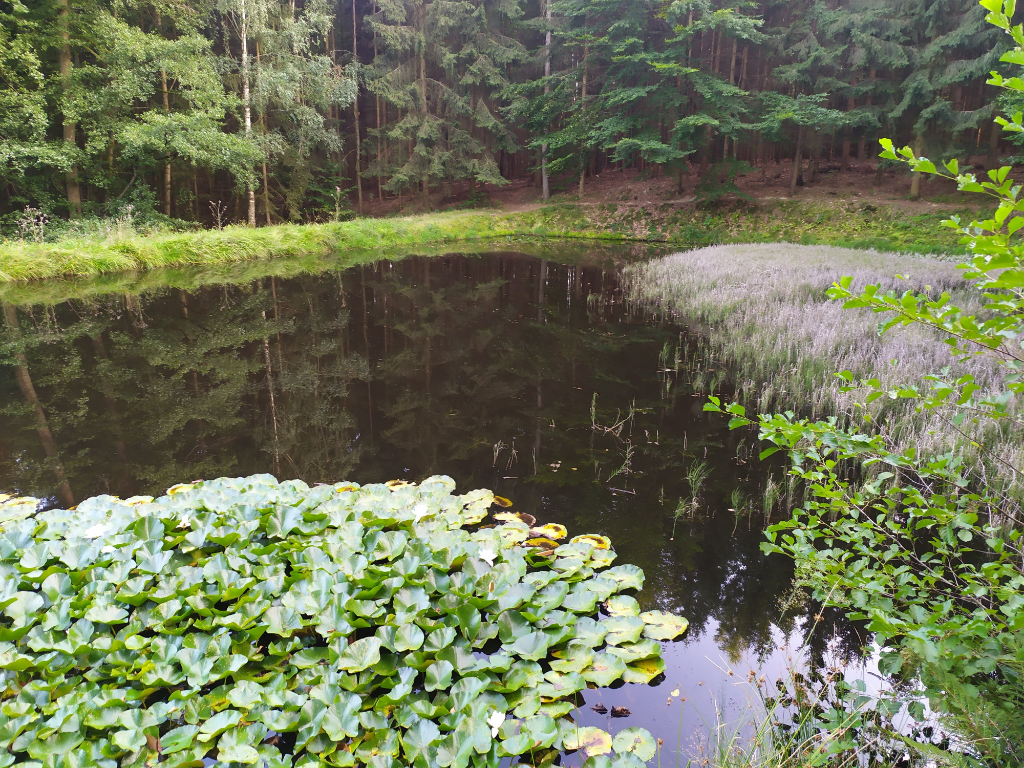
528,375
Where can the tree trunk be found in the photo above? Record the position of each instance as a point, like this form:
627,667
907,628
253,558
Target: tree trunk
797,160
915,179
583,105
246,106
993,143
545,188
167,167
74,191
425,192
28,391
355,113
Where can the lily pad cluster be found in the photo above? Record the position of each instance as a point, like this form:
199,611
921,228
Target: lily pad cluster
257,622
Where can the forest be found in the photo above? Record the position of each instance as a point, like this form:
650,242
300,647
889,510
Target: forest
270,111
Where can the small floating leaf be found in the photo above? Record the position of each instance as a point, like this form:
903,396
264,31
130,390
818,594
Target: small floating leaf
541,543
623,605
639,741
663,626
644,671
627,576
605,669
623,629
550,531
501,501
631,652
598,542
588,740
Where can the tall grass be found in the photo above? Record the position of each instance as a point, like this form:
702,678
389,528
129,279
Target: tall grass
764,312
108,249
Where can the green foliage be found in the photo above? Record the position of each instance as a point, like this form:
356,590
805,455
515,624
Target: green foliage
361,622
720,182
922,548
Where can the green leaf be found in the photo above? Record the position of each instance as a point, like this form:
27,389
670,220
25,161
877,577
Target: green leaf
663,626
239,753
588,740
636,740
605,669
360,655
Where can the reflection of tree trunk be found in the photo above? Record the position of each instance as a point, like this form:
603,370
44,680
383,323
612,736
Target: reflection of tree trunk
111,400
540,392
366,350
28,391
273,404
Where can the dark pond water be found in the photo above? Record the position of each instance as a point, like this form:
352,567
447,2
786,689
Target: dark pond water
528,376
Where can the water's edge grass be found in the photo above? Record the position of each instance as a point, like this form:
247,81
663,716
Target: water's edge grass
846,223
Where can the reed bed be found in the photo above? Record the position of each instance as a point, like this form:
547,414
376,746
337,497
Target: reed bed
764,314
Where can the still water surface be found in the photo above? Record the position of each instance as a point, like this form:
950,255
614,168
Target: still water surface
525,375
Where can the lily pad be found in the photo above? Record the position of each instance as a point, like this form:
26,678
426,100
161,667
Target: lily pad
597,541
550,531
605,669
349,617
643,671
541,543
636,740
663,626
623,629
588,740
623,605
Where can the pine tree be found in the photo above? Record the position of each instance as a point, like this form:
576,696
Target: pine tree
440,67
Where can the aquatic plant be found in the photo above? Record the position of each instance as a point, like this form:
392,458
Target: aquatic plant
263,622
765,313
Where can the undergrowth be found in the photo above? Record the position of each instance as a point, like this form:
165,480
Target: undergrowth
847,223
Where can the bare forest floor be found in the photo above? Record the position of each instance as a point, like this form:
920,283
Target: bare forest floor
630,187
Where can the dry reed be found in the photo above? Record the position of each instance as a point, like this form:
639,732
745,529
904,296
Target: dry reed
764,313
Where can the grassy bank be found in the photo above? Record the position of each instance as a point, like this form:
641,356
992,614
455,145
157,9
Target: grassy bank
766,318
848,223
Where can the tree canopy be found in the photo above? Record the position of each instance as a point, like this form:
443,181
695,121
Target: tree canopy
268,111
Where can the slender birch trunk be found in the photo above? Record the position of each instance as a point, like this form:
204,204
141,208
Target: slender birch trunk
545,187
425,192
74,190
246,103
355,114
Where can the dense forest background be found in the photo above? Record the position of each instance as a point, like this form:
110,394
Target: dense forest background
262,111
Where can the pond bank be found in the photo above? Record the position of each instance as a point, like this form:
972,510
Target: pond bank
851,223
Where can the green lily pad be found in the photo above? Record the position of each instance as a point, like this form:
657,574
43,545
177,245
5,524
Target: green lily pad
663,626
630,652
360,655
623,629
636,740
626,576
623,605
643,671
347,616
605,669
588,740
